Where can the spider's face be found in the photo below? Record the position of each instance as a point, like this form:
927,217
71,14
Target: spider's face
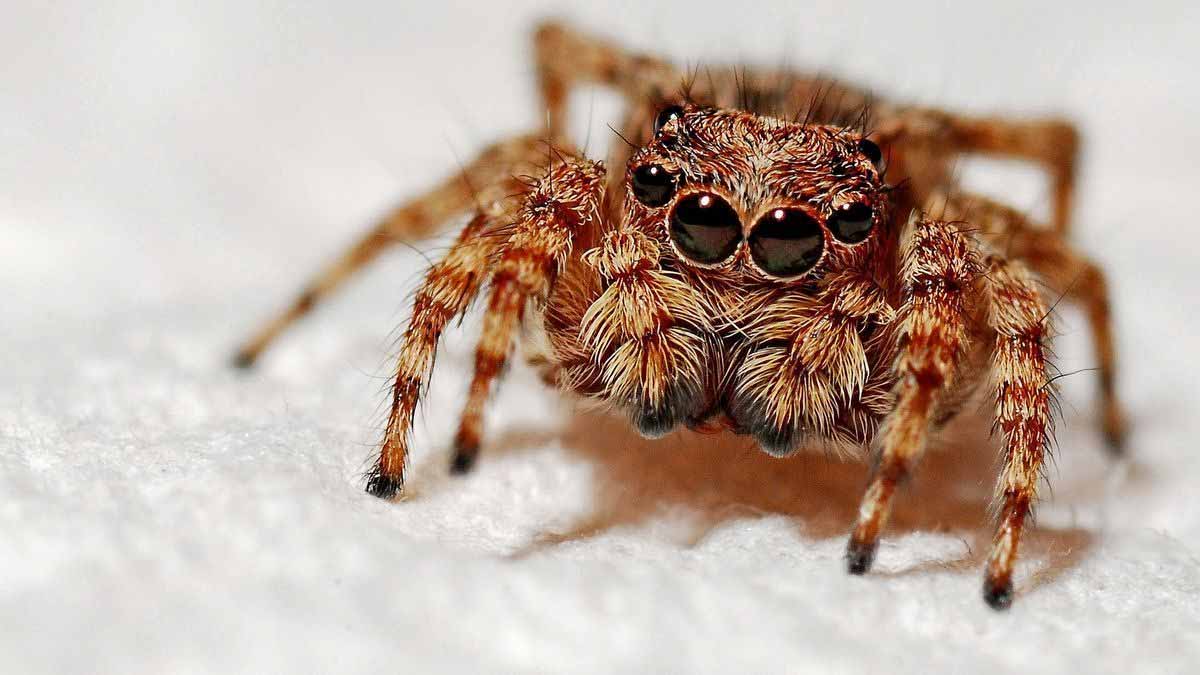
780,201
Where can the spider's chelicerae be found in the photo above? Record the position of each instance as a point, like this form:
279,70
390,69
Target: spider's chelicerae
741,262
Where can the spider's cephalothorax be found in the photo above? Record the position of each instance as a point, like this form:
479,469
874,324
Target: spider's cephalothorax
750,246
748,267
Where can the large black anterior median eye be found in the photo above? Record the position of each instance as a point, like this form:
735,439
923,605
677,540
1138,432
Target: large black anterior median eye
705,228
852,222
652,185
786,242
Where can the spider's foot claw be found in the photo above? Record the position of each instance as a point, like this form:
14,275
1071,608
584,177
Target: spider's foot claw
860,555
463,460
384,487
998,594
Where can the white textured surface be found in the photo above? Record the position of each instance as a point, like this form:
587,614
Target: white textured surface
167,176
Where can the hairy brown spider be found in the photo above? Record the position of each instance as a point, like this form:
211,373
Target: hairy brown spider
750,268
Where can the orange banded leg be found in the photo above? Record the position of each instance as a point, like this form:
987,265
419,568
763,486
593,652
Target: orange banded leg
488,180
565,204
1083,282
1067,271
566,58
940,269
1050,143
1018,316
1091,290
449,287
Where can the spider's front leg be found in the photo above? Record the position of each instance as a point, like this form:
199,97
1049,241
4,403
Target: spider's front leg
522,260
940,271
1018,316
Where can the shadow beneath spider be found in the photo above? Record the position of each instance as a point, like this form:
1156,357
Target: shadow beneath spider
719,478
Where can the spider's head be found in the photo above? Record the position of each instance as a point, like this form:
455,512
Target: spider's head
779,201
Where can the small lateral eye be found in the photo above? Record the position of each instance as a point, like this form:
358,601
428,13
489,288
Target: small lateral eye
869,148
852,222
665,115
786,243
652,185
705,228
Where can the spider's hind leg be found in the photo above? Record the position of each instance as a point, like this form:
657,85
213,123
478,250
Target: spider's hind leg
567,58
487,180
1049,142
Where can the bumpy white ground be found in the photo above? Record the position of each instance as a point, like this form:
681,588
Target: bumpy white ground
168,176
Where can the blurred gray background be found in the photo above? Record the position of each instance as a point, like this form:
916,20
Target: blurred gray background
218,147
171,172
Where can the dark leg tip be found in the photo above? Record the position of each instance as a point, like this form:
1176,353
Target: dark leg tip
463,461
1114,428
384,487
1115,442
243,360
859,557
998,595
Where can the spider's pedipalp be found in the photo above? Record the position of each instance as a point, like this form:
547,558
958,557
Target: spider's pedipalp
646,331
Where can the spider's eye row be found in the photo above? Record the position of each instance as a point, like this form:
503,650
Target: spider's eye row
653,185
786,242
705,228
869,148
665,115
852,222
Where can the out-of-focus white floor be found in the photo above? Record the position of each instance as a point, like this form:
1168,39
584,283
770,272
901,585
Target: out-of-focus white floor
168,176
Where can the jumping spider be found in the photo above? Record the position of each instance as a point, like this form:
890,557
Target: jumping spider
749,268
